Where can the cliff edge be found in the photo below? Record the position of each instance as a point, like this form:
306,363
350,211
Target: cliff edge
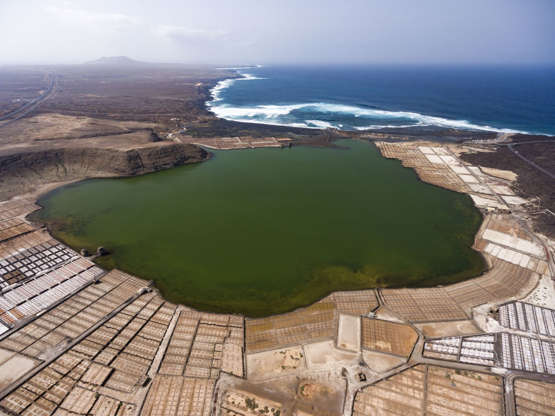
31,169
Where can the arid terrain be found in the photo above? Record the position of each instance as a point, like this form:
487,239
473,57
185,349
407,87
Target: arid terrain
79,340
532,158
97,120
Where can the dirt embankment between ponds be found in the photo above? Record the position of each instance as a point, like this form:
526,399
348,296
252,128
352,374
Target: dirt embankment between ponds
31,169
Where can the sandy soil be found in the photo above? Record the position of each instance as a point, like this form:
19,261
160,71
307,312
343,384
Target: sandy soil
275,363
499,173
348,336
48,130
387,315
323,353
543,294
448,329
13,366
379,362
315,395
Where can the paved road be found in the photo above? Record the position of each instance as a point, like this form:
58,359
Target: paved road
30,106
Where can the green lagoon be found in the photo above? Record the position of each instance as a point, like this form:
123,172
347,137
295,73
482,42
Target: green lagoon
268,230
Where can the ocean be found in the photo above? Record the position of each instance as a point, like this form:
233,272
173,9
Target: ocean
500,99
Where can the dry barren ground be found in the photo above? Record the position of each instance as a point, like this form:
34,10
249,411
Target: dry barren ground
97,121
82,341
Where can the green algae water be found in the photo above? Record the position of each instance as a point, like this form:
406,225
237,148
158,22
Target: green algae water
267,230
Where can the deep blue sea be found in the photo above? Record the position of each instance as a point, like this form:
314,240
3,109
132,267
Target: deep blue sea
503,99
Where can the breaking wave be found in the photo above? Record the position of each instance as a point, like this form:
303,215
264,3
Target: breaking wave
226,83
323,115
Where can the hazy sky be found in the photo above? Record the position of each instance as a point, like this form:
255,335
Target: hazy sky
279,31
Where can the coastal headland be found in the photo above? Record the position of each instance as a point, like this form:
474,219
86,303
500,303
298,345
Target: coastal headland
77,339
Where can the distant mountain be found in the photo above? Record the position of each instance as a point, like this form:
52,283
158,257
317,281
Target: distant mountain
115,60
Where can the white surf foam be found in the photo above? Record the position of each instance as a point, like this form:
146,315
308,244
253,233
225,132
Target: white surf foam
273,114
226,83
321,124
249,77
216,91
270,114
384,126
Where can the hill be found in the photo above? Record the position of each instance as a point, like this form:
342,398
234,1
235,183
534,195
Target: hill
114,60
